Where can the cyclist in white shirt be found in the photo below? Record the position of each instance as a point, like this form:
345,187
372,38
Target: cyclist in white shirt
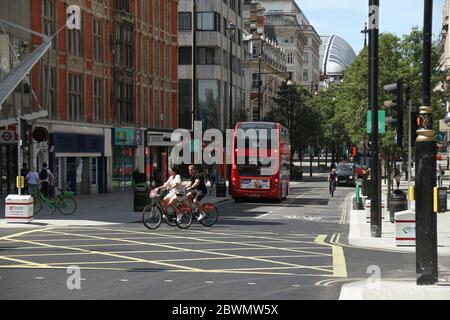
173,184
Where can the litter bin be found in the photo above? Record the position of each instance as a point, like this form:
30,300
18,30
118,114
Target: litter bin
398,202
141,196
442,199
221,188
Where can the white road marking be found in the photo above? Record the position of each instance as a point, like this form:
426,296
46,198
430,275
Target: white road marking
40,278
251,283
209,282
124,280
168,281
285,205
296,285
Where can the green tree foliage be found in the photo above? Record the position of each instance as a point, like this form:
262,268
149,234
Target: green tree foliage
294,109
397,58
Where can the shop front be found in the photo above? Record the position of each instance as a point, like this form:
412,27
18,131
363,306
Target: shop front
157,156
124,158
79,161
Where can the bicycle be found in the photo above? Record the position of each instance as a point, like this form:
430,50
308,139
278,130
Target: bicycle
64,202
209,209
153,214
211,214
332,187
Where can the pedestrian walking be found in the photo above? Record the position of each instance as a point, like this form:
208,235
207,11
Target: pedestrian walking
46,179
23,173
440,175
398,175
32,179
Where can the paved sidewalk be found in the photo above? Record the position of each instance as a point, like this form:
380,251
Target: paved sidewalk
401,289
101,209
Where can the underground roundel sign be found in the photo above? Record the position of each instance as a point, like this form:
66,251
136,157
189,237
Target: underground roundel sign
40,134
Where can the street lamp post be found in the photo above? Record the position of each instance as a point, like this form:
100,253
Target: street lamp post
365,31
231,32
426,224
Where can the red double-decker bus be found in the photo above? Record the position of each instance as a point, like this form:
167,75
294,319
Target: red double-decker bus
260,169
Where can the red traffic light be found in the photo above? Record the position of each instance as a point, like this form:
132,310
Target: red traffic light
354,151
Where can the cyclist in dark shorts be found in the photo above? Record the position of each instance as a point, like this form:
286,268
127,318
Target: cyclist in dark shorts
197,190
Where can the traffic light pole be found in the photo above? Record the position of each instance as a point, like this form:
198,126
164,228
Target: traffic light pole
426,226
409,141
375,210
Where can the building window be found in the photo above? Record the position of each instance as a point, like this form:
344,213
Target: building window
144,106
128,42
184,21
97,39
206,56
208,103
255,78
129,114
156,109
305,75
290,58
185,55
76,105
119,102
185,103
118,46
208,21
124,46
145,55
305,57
144,10
50,91
123,5
48,17
98,100
74,39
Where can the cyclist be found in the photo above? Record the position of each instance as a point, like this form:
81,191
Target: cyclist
332,178
197,189
173,184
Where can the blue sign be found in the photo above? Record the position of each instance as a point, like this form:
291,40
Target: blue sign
124,137
78,143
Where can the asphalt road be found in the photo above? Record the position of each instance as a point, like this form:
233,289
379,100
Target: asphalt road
260,250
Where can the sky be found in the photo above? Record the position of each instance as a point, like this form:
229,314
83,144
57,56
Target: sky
346,18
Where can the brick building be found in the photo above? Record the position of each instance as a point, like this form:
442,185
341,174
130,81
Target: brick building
111,91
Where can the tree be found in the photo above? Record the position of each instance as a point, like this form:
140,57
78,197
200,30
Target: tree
293,108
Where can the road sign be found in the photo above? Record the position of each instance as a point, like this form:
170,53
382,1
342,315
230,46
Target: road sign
439,136
381,124
7,136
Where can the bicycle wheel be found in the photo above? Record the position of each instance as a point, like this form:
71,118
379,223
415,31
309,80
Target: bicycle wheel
186,219
212,215
170,217
151,217
66,205
37,204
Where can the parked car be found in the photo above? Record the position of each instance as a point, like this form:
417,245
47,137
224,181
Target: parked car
346,174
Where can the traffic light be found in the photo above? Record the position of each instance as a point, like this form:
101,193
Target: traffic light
354,151
414,127
397,89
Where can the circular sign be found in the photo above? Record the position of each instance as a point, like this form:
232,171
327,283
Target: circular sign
7,136
40,134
